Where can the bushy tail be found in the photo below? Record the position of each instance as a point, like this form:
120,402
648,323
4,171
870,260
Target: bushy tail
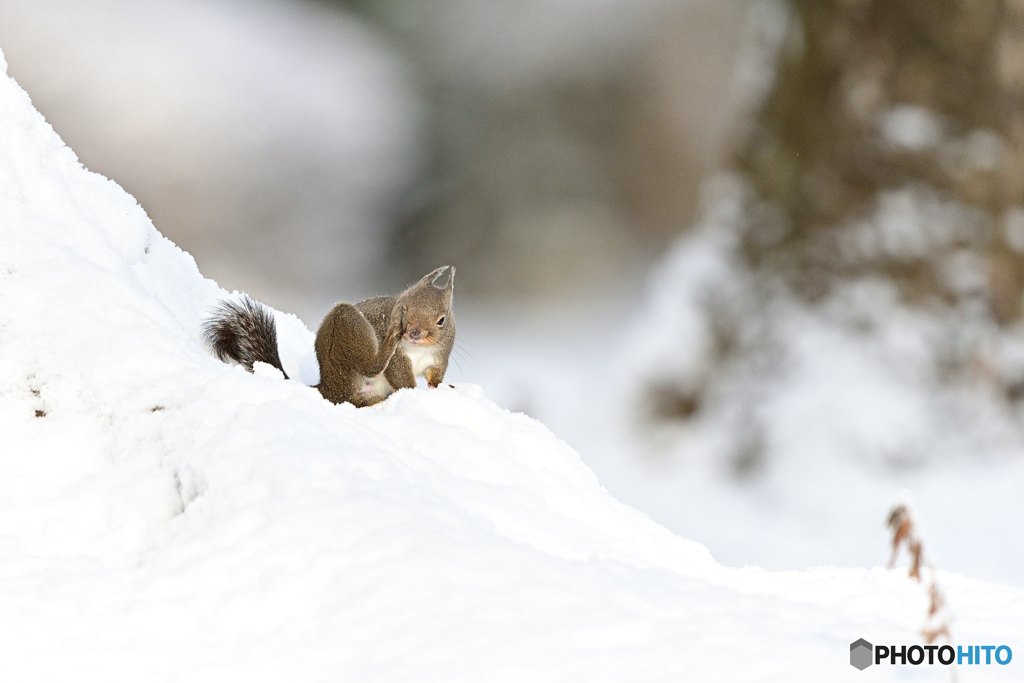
243,332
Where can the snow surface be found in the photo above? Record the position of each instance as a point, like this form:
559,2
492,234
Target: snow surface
165,517
841,399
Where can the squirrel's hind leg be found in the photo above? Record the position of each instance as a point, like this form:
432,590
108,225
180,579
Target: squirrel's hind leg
350,358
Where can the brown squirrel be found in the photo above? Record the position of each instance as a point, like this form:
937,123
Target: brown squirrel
366,351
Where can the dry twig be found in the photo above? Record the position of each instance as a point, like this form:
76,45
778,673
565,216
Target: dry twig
904,533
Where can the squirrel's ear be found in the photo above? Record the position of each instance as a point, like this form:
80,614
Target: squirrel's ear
429,278
449,289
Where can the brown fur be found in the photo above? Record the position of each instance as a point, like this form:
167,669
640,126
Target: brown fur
421,308
243,332
366,351
351,357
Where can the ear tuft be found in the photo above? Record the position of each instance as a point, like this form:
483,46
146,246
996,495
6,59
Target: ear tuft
429,278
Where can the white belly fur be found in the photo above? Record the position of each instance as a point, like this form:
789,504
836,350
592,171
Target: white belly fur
376,386
421,357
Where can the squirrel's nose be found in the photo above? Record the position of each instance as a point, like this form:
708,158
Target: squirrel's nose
416,333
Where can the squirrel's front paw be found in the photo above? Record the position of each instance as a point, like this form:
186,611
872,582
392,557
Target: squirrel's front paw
396,324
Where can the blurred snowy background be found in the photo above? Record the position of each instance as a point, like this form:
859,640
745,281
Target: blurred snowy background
759,261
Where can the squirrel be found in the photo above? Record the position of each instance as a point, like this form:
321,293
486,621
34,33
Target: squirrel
366,351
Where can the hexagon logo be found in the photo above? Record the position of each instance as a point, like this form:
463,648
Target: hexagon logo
861,652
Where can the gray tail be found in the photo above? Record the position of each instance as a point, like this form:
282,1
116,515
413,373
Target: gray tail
243,332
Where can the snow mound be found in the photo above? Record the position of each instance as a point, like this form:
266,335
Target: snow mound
164,516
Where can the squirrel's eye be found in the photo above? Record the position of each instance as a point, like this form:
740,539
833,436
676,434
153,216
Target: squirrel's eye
440,321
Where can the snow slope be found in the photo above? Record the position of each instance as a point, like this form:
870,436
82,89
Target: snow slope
228,118
165,517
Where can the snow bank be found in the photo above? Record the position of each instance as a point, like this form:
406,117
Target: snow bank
167,517
787,429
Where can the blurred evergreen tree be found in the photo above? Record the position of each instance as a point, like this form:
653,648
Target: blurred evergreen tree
880,96
876,228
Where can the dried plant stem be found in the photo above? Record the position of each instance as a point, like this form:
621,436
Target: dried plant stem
904,534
